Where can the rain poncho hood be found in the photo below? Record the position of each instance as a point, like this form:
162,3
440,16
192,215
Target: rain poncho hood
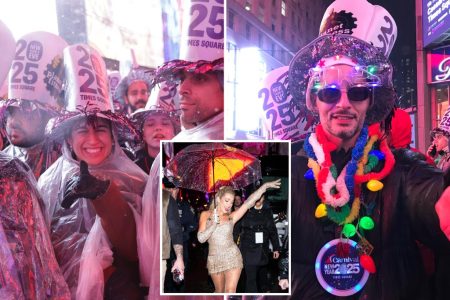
38,157
28,268
211,129
81,246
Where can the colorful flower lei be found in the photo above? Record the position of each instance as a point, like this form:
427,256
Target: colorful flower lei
341,193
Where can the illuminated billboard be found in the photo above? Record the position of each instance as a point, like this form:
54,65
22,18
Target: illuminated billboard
116,27
435,19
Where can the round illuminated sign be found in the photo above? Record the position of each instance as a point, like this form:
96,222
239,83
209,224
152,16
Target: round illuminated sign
340,276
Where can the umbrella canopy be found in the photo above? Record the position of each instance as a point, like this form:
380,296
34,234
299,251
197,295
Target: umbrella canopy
207,167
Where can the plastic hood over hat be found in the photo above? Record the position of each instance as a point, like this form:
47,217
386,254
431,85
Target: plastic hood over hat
28,268
208,130
81,246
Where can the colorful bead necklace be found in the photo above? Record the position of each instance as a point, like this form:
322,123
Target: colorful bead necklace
341,193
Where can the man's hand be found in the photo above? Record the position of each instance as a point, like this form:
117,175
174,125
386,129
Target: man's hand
179,265
276,254
432,150
83,186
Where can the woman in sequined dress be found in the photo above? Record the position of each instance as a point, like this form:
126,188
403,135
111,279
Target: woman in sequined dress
216,226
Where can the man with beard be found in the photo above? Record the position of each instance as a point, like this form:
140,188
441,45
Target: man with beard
28,268
359,208
134,90
34,101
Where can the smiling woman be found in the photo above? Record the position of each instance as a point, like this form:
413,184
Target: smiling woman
95,186
91,140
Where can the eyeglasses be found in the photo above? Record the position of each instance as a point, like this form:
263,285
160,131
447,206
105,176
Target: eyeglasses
332,94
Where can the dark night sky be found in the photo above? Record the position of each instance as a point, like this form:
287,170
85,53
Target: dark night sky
403,12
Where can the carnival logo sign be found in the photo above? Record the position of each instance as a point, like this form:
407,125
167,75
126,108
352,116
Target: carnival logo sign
337,274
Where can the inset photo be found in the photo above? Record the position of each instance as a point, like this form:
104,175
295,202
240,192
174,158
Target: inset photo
225,218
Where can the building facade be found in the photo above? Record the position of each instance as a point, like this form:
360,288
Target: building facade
262,35
433,67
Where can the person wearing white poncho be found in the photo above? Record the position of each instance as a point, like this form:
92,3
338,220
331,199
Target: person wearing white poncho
80,236
93,196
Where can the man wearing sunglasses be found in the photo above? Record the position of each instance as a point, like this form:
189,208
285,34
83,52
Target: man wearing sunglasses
340,103
358,208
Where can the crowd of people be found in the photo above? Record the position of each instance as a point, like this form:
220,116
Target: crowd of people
75,221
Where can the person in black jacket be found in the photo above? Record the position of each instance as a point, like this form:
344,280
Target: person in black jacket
255,229
172,233
359,207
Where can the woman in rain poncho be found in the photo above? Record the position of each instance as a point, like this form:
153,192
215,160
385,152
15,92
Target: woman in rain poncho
94,219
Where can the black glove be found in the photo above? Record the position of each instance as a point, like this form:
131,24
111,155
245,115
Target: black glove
83,186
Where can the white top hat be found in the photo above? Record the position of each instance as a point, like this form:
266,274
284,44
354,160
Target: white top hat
37,72
8,51
165,96
202,41
359,18
356,33
87,93
203,31
87,81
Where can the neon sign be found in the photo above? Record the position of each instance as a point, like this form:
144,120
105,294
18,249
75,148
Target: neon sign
439,65
444,68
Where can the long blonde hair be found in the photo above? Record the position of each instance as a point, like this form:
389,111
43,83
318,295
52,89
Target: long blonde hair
222,191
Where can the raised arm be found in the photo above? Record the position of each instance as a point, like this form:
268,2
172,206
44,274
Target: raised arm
251,200
205,231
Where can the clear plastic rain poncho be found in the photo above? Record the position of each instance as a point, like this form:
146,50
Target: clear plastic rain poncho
151,217
28,268
38,157
81,246
211,129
